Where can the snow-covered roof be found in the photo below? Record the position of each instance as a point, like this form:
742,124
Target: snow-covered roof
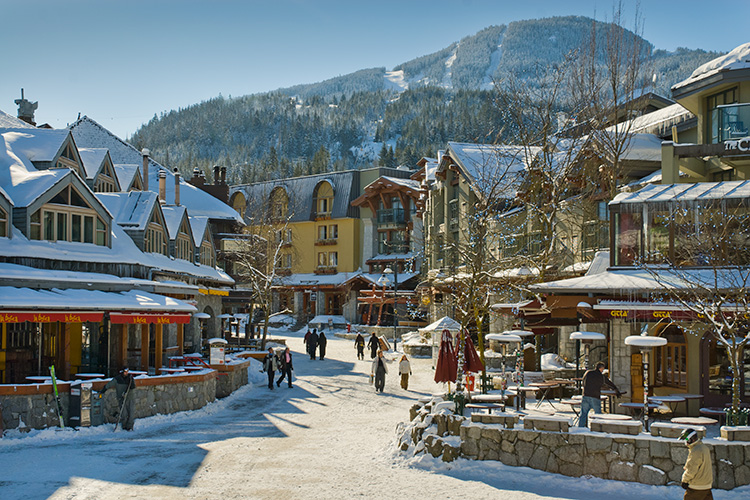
696,191
401,182
311,279
480,162
632,281
642,147
10,121
659,121
36,144
89,134
402,278
22,182
173,216
92,159
89,300
444,323
739,58
125,173
198,226
132,210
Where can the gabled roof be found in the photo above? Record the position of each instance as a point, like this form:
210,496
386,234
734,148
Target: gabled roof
37,144
173,218
131,210
93,160
737,59
126,174
198,225
89,134
660,122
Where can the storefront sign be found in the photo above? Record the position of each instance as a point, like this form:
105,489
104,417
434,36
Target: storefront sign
742,145
147,318
51,317
649,315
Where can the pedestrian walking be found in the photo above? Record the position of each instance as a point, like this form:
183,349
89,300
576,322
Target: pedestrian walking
593,380
322,342
404,369
374,345
270,365
124,385
307,339
286,367
379,370
699,475
359,345
312,343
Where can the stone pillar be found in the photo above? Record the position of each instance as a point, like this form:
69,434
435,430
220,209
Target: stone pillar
369,240
298,306
350,308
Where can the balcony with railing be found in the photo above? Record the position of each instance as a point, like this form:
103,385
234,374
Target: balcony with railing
388,248
391,217
730,122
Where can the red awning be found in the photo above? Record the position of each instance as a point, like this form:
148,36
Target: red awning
146,318
50,317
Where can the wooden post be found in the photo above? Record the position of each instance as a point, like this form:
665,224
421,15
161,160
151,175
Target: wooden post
123,357
64,348
3,348
158,348
144,347
180,339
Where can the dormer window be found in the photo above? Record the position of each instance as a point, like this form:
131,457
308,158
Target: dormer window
3,223
323,200
207,254
183,245
68,159
156,237
68,217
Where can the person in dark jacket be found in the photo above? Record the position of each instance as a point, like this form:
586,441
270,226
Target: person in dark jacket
322,342
124,385
286,367
593,380
374,345
379,369
359,344
270,365
312,343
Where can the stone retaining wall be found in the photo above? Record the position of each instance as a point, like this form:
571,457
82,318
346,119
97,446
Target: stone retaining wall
642,458
231,377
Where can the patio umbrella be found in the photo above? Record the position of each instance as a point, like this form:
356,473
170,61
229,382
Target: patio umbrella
447,364
472,362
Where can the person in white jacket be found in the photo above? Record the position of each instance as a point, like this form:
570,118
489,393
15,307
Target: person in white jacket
698,476
404,369
379,369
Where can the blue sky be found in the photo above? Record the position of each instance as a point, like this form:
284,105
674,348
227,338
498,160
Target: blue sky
120,62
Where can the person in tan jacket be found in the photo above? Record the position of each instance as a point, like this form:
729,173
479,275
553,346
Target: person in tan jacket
698,476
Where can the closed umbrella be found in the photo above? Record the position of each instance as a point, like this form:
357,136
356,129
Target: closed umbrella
447,364
472,362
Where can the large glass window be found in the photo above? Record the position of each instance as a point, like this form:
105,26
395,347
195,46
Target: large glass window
67,217
713,121
628,235
671,359
657,236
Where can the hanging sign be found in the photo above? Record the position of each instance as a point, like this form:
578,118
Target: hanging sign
146,318
50,317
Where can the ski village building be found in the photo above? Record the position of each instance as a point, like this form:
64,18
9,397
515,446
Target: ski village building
337,234
105,258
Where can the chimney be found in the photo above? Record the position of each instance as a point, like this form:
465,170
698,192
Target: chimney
176,187
217,175
26,109
162,187
145,154
223,175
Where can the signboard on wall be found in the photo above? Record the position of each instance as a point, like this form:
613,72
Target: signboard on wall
146,318
50,317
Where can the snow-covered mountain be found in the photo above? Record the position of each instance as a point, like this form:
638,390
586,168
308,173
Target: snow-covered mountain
415,108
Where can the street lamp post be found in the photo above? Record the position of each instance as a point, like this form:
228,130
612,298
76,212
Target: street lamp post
386,273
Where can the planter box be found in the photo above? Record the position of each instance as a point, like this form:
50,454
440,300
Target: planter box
735,433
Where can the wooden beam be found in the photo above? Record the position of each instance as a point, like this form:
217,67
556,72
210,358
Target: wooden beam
181,338
122,360
144,347
159,345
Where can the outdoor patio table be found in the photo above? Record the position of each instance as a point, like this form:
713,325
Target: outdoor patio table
135,373
194,368
39,378
89,376
688,398
546,387
711,412
484,406
575,404
670,401
638,407
171,370
522,394
694,420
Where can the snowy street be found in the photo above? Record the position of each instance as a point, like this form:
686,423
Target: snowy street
329,437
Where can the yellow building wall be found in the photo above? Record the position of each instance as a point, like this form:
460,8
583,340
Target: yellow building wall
305,251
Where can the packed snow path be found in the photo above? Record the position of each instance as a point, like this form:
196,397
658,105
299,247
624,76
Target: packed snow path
329,437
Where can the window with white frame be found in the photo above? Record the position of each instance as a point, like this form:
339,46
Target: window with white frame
207,256
68,217
3,223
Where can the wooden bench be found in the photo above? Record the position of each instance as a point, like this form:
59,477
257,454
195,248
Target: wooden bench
736,433
632,427
508,420
555,424
670,430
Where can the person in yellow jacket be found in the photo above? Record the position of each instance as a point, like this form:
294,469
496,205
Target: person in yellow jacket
698,476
